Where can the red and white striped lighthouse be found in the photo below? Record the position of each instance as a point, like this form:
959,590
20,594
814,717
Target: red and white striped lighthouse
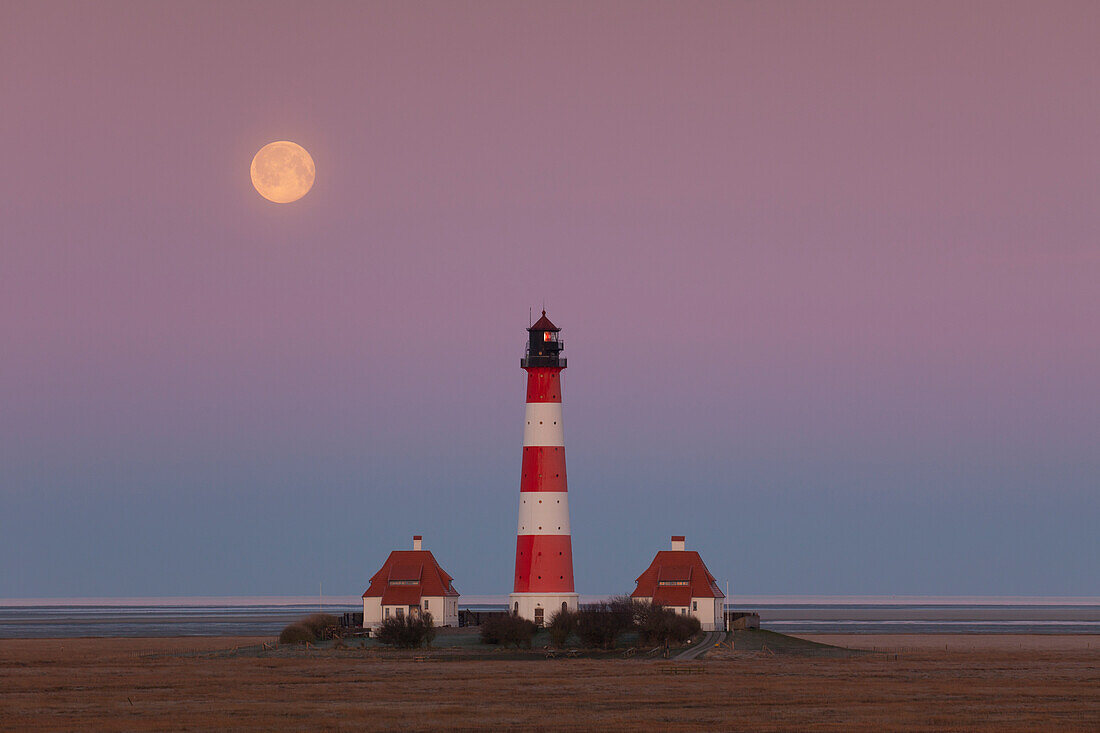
544,555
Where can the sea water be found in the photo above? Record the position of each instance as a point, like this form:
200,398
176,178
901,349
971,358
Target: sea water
266,616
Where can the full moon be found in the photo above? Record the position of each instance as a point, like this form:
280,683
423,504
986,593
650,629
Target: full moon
283,172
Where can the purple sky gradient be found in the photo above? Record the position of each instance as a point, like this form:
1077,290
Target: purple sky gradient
828,274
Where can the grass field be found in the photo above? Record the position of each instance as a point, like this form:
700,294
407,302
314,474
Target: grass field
193,683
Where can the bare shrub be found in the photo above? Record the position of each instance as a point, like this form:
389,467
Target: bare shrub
599,624
687,627
492,630
508,630
318,623
658,625
407,632
561,627
428,624
296,633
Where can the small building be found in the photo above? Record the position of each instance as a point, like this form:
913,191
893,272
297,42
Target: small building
678,579
410,582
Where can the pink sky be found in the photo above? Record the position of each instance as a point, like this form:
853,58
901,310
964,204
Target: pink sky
793,245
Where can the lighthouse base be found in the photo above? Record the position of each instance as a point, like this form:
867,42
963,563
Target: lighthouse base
541,607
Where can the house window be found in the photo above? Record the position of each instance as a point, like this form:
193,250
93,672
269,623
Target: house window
538,616
400,612
695,605
683,611
387,613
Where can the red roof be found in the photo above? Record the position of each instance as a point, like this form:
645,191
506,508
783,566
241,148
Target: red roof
672,595
401,595
669,573
675,577
543,324
407,576
406,571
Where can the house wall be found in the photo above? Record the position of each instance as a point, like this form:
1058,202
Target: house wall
717,621
709,613
444,610
372,612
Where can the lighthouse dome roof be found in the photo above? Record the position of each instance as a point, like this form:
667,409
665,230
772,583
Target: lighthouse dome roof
543,324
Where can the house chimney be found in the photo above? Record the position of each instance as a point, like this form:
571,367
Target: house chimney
416,541
678,542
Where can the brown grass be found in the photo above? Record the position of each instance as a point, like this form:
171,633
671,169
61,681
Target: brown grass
147,684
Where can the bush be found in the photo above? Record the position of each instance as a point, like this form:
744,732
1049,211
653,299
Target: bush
429,629
643,612
297,633
508,630
318,623
600,624
688,626
657,625
492,629
407,632
561,627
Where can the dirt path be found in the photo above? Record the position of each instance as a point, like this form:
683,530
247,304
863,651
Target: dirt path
709,640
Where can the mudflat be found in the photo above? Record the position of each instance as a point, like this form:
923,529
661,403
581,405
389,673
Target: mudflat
975,683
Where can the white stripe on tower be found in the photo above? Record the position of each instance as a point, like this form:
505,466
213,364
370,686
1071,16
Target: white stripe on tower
543,425
544,512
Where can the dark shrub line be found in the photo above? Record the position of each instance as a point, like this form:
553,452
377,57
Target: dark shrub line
508,630
596,625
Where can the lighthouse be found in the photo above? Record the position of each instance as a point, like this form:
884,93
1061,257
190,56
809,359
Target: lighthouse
543,582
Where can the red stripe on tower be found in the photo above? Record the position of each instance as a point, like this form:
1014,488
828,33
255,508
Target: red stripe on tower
543,582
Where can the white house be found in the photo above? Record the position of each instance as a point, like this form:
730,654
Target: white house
410,582
678,579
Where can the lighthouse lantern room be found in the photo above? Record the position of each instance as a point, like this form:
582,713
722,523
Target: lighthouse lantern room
543,582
